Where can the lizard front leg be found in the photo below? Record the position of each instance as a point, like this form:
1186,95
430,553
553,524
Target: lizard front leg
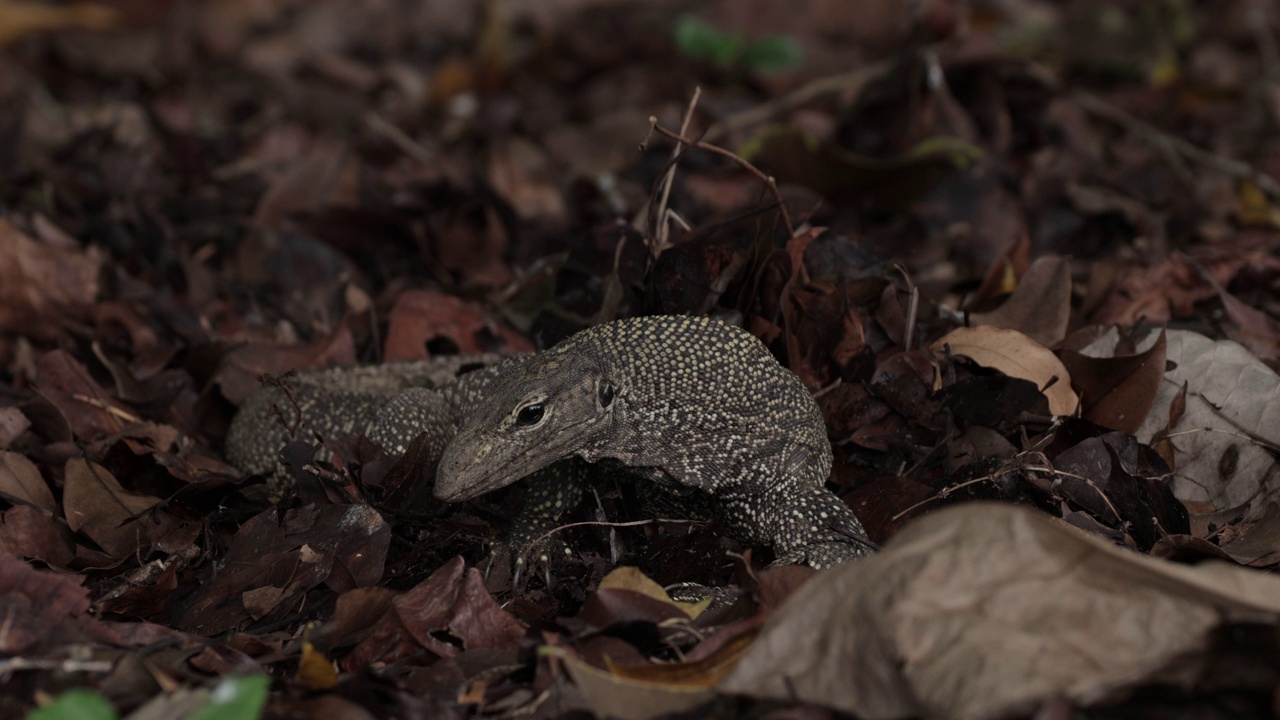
805,523
531,542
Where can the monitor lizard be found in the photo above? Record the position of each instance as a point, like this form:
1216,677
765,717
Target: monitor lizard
697,409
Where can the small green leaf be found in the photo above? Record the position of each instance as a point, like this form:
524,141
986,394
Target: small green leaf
76,705
698,40
774,53
236,698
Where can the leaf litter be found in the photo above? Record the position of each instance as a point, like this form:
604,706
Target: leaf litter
1022,254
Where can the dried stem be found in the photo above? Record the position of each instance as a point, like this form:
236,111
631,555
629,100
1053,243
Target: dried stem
661,232
1178,146
716,149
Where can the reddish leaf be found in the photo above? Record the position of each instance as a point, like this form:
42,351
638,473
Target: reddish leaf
238,376
271,564
445,614
43,605
422,318
94,503
87,407
29,532
44,287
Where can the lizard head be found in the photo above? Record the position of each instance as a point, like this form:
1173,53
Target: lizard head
544,411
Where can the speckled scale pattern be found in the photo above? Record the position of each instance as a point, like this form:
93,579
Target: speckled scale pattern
695,403
686,404
335,402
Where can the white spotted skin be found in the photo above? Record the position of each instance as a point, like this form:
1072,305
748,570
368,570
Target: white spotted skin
696,403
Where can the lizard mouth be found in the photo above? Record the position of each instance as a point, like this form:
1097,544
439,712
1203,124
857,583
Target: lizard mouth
472,468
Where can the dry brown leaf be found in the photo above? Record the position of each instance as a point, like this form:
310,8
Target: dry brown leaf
612,696
1041,304
985,610
327,175
420,317
1118,391
1015,355
41,286
238,376
1259,544
523,175
646,691
631,578
1252,328
20,480
28,532
96,504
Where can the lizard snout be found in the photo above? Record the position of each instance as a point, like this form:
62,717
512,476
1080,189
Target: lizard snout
461,474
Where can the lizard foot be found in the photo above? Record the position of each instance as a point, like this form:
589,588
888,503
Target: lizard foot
693,593
539,560
534,544
822,555
528,560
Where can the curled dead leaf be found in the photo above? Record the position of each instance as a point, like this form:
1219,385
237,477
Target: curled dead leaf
1015,355
631,578
1118,391
646,691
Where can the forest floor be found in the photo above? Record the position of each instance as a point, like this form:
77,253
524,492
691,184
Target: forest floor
1024,254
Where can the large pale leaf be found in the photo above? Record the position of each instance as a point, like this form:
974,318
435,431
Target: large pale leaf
984,611
1232,414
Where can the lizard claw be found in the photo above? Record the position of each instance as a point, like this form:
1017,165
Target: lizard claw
526,561
822,555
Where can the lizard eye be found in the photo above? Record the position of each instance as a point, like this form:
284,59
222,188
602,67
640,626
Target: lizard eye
607,391
529,415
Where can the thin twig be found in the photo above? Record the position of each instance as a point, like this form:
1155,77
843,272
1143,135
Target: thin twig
634,523
109,409
913,307
766,179
661,233
1228,166
829,85
399,138
15,664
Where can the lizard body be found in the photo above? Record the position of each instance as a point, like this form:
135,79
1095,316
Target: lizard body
694,407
